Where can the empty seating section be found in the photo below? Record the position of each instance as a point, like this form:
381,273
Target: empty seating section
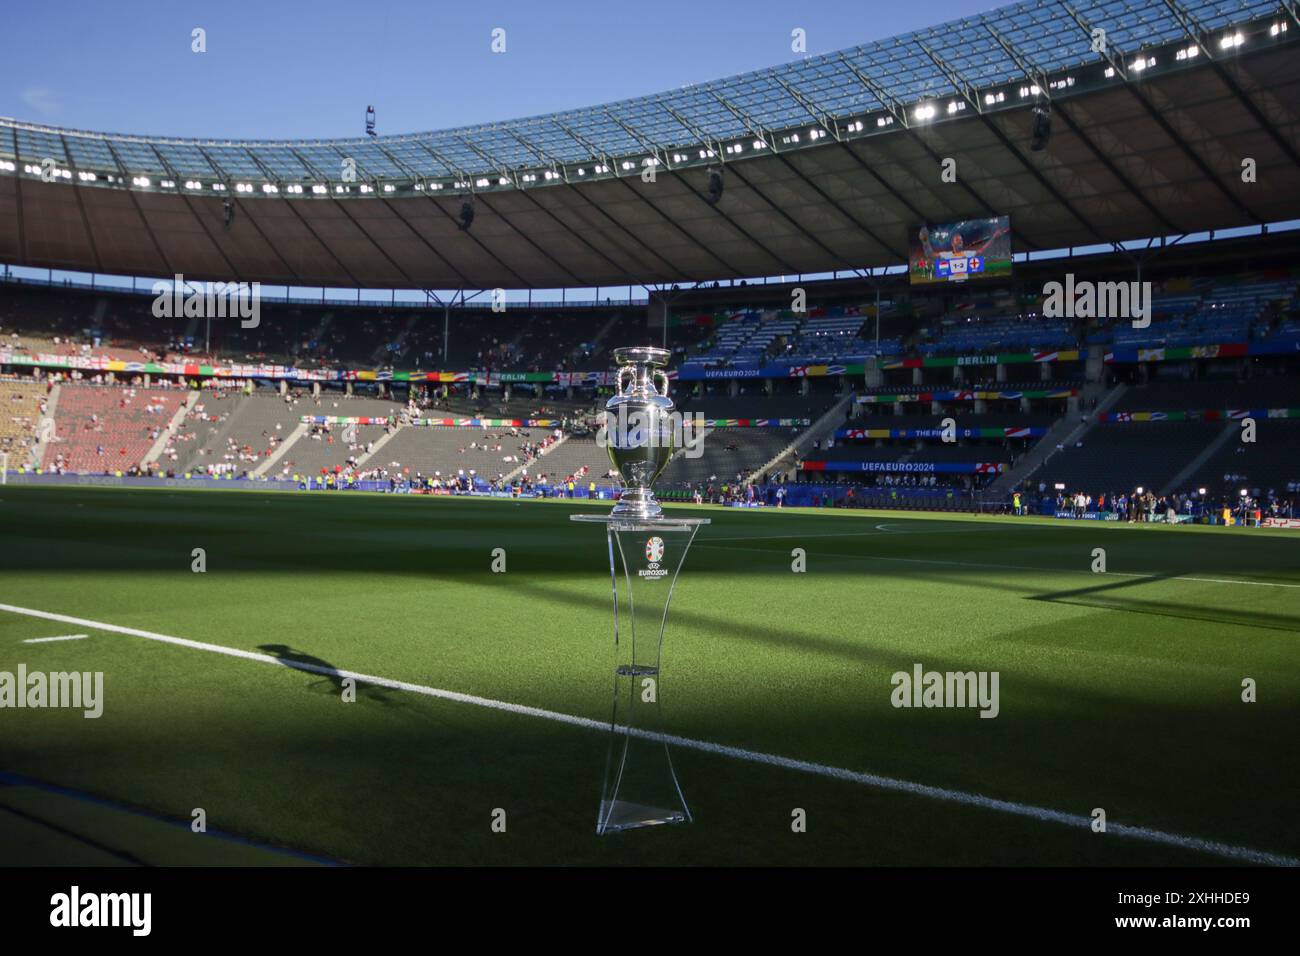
21,407
1270,463
570,457
925,452
103,429
428,449
964,419
560,342
728,452
1211,394
1029,385
1121,457
755,406
520,406
737,338
254,421
821,337
1167,311
998,333
189,444
828,338
326,449
1208,314
121,325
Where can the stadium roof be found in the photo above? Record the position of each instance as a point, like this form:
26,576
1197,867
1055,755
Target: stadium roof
830,162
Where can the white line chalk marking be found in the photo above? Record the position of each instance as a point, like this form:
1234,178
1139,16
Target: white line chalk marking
50,640
944,794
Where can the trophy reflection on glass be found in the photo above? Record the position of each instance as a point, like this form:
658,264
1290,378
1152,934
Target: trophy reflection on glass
646,550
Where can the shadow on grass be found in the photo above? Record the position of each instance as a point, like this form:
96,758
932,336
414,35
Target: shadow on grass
1111,596
334,682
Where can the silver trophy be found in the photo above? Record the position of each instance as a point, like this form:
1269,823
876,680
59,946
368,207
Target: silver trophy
638,429
646,552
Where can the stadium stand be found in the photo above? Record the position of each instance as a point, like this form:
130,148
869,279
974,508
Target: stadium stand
1121,457
22,403
433,449
755,406
1007,333
579,456
1267,466
728,453
104,429
1275,391
914,452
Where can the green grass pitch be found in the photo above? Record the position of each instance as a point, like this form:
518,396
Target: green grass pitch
1119,691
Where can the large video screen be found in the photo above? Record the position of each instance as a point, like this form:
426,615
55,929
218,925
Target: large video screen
957,251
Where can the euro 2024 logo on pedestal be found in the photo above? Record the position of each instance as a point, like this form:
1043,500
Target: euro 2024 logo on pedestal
654,553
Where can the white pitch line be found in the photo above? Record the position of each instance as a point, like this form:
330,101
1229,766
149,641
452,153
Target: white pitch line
944,794
49,640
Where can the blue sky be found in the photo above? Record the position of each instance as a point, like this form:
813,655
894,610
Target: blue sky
287,69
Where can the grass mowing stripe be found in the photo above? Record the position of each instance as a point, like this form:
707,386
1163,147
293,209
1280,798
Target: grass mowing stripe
1003,567
944,794
211,833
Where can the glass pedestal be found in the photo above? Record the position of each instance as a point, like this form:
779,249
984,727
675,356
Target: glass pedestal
645,557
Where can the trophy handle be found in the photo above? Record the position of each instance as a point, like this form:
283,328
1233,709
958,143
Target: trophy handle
625,370
658,376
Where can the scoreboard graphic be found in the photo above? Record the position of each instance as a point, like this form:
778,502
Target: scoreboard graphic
957,251
957,267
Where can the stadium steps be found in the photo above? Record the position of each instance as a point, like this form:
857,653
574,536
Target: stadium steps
217,440
42,429
165,435
382,355
824,427
510,476
679,455
1066,432
380,442
299,430
597,342
1206,453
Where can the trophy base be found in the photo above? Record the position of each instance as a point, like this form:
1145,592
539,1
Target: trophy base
637,504
640,785
619,815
